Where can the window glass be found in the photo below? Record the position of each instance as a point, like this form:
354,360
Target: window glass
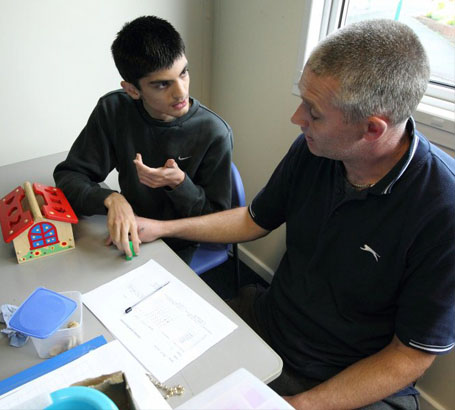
432,20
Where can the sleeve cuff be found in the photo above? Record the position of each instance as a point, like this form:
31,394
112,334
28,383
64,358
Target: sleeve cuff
184,191
95,201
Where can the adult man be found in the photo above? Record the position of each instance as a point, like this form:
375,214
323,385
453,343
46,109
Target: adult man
173,154
363,298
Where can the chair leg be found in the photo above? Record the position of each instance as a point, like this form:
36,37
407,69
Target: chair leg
235,252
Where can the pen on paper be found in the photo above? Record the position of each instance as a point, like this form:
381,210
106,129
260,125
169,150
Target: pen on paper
129,309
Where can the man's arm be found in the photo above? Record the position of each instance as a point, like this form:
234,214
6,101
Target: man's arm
367,381
233,225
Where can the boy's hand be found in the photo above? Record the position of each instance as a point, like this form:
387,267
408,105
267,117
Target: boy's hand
121,224
168,175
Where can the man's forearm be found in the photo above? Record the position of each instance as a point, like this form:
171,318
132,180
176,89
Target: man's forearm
367,381
233,225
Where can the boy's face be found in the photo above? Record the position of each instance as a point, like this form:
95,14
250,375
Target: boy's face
164,93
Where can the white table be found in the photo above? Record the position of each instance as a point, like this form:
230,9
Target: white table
92,264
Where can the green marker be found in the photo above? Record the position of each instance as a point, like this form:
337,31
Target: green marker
128,258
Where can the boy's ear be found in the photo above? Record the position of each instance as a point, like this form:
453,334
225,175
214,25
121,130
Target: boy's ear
375,128
131,90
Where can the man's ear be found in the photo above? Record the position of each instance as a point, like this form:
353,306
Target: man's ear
375,128
131,90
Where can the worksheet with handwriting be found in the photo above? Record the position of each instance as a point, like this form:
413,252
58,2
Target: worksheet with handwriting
160,320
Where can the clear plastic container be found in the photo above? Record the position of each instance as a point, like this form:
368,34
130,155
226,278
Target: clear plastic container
42,313
66,337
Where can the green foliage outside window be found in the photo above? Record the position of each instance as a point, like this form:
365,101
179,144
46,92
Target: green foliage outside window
443,12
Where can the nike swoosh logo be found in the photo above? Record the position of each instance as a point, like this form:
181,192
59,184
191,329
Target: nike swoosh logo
366,248
183,158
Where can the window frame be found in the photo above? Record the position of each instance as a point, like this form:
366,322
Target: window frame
437,108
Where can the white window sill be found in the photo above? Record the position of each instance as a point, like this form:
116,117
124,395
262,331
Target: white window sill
441,121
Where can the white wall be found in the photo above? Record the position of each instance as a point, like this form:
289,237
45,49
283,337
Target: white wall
56,63
255,56
437,384
254,60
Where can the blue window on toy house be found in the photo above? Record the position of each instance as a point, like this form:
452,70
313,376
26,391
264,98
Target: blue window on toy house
42,234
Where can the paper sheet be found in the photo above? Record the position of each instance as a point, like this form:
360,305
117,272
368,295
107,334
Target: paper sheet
166,330
106,359
240,390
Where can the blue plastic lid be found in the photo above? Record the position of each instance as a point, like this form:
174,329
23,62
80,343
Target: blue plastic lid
42,313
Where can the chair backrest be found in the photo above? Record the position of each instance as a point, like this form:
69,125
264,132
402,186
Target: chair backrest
210,255
238,192
237,199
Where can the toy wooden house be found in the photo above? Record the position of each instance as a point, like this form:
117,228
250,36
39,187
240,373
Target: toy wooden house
38,220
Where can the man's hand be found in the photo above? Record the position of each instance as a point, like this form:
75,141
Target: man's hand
168,175
148,229
121,224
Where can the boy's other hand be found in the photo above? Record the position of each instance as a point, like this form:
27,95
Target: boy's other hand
169,174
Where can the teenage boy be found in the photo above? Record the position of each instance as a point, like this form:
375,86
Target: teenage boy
173,155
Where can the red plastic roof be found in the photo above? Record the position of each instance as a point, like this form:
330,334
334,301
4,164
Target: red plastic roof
56,206
14,220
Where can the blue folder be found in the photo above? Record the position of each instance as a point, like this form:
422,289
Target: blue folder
49,365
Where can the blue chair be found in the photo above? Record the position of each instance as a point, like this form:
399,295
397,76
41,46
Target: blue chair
210,255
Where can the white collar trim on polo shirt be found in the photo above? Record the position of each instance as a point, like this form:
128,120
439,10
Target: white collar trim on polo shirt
412,151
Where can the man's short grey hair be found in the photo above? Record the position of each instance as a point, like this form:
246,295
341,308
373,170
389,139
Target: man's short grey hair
381,65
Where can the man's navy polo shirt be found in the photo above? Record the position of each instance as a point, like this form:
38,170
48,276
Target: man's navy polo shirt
360,266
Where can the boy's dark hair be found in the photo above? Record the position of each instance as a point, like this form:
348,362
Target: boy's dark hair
145,45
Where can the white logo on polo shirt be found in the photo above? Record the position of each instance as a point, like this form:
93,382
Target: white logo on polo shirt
368,249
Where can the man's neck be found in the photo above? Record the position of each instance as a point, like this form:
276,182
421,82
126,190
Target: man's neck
382,157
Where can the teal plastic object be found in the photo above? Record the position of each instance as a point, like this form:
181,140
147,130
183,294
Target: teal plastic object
80,398
42,313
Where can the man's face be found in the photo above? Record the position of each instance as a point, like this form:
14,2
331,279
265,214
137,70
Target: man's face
327,133
165,93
